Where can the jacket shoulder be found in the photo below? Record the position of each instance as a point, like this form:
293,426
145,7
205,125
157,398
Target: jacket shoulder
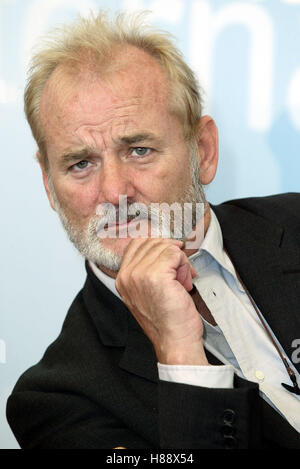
279,207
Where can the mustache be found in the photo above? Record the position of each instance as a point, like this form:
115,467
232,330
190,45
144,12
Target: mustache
110,214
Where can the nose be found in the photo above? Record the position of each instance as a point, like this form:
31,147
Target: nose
115,180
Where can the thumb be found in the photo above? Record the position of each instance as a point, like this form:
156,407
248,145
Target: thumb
185,276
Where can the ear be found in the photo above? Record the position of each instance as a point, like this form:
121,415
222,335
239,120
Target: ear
208,146
45,180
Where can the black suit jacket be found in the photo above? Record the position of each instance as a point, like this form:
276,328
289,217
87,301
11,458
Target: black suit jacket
97,385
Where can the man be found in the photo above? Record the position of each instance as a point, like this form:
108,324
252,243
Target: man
143,360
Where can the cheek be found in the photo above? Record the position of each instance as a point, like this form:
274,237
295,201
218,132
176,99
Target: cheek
79,200
167,183
182,175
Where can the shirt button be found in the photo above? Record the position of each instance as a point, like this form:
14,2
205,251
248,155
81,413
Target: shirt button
259,375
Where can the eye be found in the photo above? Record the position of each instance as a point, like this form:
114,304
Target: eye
141,151
80,165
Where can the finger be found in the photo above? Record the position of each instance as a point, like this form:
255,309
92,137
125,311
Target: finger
185,273
193,271
141,257
131,250
185,276
137,249
168,259
159,258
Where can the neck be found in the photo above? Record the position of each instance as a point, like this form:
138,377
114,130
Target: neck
188,252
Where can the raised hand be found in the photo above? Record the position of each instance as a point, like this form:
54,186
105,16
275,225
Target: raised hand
154,280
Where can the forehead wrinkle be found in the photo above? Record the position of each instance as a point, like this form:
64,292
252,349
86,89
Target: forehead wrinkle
99,135
111,129
110,118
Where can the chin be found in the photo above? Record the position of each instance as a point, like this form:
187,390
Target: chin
117,245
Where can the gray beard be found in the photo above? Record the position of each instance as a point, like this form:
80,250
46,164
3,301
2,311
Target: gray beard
88,243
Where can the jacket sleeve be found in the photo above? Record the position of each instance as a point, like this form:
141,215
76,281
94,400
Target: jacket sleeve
192,417
59,420
199,417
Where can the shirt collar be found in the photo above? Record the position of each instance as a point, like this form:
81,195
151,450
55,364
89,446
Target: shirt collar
108,281
212,247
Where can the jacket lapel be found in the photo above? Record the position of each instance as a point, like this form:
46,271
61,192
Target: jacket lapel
117,327
139,356
267,260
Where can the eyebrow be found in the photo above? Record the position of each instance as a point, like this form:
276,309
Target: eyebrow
72,156
137,138
75,156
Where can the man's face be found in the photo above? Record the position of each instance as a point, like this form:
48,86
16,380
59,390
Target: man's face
111,138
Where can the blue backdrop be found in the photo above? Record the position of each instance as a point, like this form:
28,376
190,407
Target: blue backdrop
246,55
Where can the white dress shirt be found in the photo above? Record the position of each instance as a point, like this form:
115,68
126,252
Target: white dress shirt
239,340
